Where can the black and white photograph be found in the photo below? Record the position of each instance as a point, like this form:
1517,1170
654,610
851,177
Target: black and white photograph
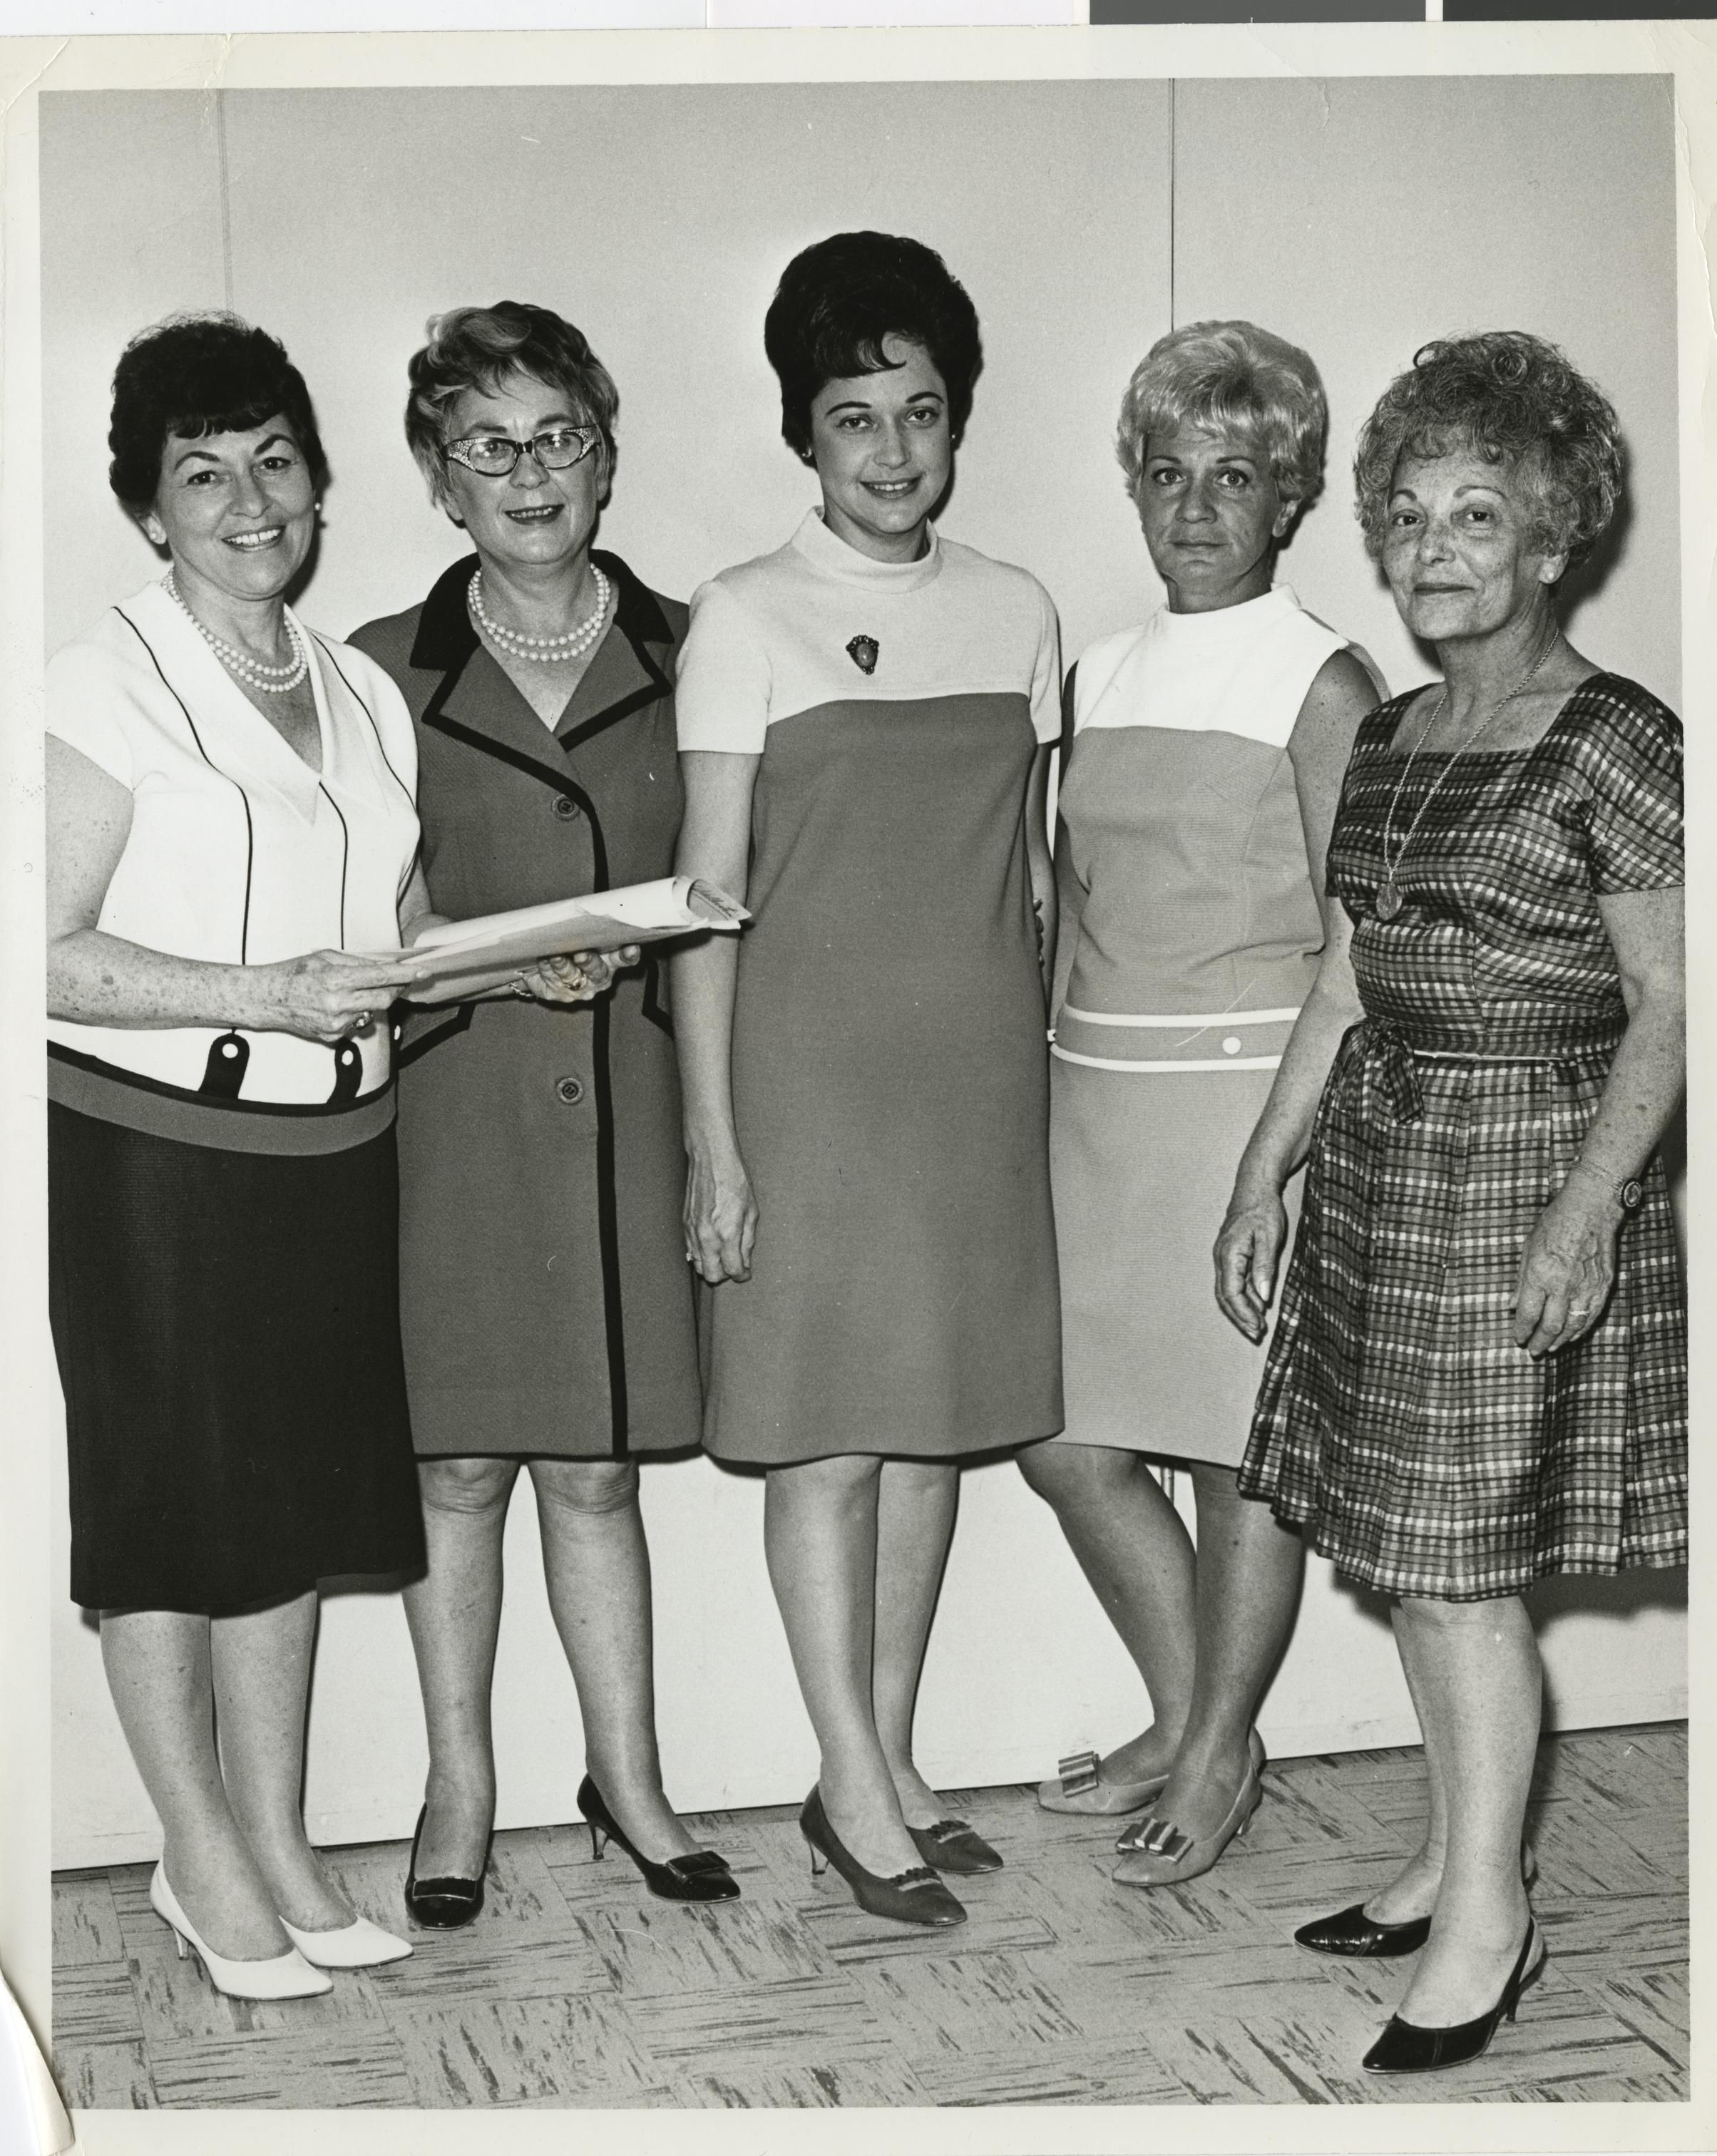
851,1259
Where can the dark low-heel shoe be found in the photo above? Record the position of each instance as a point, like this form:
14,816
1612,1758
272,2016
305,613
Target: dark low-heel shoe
442,1904
916,1896
1406,2048
951,1845
1357,1937
703,1876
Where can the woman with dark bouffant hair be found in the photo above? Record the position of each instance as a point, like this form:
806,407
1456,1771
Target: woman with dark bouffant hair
864,719
544,1302
230,827
1478,1376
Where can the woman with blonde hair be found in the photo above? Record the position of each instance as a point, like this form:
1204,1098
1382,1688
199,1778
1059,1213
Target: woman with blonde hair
1204,753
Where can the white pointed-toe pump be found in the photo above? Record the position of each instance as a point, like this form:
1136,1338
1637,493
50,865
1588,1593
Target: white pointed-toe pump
281,1976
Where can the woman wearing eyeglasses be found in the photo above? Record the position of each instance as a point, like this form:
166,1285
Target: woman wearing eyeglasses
546,1306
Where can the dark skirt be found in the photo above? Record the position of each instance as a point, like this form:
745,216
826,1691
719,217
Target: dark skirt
227,1329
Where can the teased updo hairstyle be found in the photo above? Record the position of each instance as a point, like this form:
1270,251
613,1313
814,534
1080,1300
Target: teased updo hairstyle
199,374
1514,400
1238,379
841,298
482,348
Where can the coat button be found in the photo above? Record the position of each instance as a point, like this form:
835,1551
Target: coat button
566,808
570,1090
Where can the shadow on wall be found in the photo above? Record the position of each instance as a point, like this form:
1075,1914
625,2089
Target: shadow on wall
1621,1596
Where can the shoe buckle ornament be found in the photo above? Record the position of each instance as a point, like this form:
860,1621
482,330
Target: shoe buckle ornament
1078,1773
700,1860
1163,1838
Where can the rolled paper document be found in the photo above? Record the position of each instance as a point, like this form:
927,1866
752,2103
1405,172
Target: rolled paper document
600,920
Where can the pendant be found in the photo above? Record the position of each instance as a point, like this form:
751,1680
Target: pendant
863,651
1388,901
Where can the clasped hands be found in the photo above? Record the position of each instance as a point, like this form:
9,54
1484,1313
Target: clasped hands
575,977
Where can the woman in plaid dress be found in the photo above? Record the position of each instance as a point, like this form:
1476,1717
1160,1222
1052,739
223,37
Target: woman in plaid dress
1478,1374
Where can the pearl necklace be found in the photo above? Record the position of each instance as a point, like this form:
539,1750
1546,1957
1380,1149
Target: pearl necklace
545,650
272,681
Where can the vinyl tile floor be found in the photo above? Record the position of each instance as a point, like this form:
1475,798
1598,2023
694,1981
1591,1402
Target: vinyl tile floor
575,1988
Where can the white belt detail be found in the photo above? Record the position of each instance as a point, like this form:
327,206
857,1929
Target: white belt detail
1189,1021
1185,1063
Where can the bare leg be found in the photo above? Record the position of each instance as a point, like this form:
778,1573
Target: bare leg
261,1664
454,1615
915,1503
1413,1893
820,1534
159,1673
1133,1547
597,1563
1484,1696
1248,1581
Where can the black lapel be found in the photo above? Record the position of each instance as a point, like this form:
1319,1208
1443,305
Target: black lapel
642,622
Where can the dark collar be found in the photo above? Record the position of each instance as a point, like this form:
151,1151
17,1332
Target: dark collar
445,638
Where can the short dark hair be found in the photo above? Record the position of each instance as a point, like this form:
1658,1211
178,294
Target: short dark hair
838,300
197,374
1516,401
480,348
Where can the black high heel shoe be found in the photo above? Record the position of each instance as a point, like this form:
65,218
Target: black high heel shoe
914,1896
442,1904
1351,1933
703,1876
1406,2048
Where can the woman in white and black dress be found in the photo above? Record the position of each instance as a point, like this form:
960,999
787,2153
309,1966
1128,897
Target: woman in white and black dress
230,823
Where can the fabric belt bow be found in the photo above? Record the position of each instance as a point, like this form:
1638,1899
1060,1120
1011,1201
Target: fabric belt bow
1390,1049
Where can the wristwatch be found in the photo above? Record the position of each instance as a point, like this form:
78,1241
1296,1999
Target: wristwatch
1630,1195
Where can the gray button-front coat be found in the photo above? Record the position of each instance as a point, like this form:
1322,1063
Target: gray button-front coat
545,1304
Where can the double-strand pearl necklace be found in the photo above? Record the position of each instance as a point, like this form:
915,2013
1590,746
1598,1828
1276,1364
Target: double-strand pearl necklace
272,681
545,650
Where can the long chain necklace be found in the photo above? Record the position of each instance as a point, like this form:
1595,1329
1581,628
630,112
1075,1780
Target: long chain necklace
545,650
1388,903
272,681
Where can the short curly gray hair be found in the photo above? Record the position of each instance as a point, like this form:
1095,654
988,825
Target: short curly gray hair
1516,401
480,348
1233,375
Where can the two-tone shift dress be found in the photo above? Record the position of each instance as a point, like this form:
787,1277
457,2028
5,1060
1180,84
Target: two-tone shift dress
889,1051
1190,935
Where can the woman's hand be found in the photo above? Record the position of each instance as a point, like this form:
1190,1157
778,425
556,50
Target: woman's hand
1247,1253
577,976
324,996
720,1215
1567,1269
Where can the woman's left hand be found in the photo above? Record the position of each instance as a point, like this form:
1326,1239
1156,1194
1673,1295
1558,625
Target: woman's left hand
1567,1269
577,976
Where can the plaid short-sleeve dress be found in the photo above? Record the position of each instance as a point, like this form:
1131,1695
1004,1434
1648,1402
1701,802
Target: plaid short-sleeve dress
1397,1421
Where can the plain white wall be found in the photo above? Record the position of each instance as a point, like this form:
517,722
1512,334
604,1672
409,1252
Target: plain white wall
1362,217
340,220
